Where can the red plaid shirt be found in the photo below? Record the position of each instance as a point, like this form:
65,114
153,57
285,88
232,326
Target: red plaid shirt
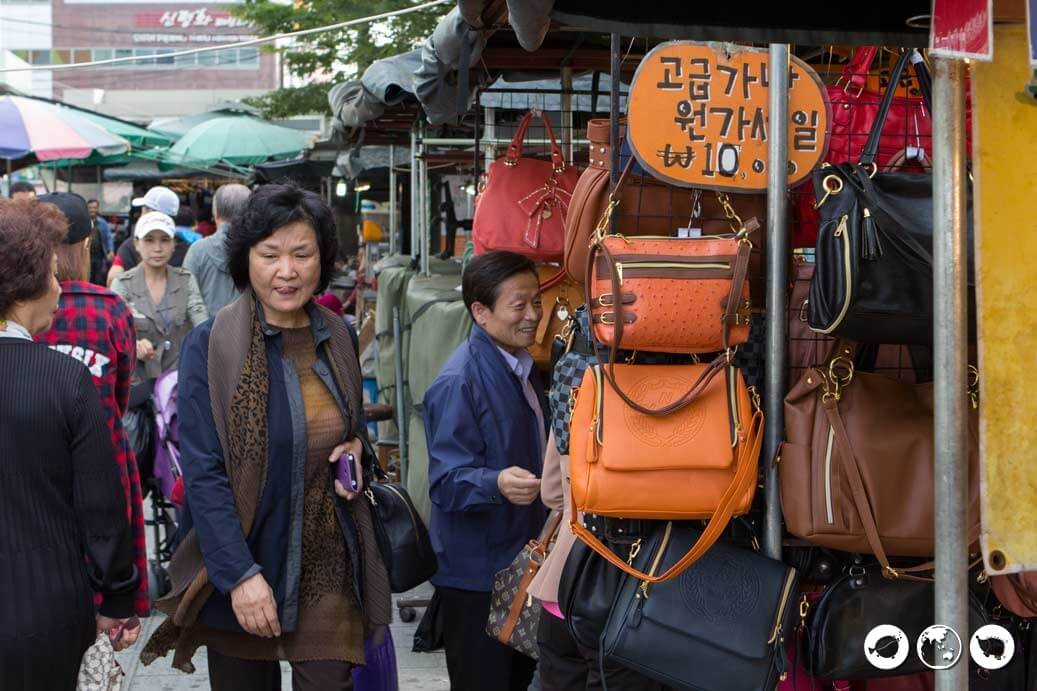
95,326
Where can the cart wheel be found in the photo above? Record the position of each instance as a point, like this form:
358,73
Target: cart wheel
159,583
408,614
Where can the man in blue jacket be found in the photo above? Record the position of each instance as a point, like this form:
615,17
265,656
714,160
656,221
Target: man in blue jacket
486,431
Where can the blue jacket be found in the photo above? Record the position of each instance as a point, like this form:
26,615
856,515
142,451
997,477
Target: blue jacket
273,546
477,423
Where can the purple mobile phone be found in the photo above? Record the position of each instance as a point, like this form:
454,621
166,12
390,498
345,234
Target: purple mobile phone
344,469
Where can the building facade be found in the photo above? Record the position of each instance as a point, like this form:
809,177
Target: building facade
60,32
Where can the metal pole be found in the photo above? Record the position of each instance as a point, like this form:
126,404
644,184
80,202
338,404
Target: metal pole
777,279
950,324
567,114
414,177
401,398
393,213
490,138
489,142
425,242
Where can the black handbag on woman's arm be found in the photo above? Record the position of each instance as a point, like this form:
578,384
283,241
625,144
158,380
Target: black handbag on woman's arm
873,281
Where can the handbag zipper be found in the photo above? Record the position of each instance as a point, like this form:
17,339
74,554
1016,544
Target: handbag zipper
687,266
776,637
828,476
732,398
599,405
842,232
643,589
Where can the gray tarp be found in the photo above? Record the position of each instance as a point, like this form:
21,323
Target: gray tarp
581,102
529,18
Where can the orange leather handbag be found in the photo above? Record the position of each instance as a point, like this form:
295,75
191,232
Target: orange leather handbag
700,462
666,294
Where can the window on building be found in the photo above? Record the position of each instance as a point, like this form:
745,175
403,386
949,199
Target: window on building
103,54
81,55
40,57
160,60
185,60
61,57
248,57
123,53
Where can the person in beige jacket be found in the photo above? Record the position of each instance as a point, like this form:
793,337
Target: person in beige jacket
564,665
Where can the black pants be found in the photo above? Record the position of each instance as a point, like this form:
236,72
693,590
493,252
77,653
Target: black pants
475,661
234,674
567,666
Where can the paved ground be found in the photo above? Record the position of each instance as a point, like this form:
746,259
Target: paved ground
417,671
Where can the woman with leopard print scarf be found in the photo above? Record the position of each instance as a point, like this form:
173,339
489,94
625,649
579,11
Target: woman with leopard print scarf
279,561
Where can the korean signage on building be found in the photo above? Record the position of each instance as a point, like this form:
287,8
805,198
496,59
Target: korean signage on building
202,25
699,116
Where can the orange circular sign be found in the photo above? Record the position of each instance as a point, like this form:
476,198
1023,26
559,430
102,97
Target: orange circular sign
699,116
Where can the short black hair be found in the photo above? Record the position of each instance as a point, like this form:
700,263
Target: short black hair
22,186
484,274
185,216
92,201
275,206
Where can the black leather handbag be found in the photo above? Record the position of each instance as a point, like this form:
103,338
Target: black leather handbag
722,624
873,281
858,602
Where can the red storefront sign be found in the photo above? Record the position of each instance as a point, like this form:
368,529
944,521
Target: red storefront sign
962,29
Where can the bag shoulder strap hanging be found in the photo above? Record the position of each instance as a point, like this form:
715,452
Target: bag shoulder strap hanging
511,158
871,148
744,478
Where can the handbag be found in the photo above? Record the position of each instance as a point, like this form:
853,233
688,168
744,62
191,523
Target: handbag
514,614
669,295
858,602
99,670
856,470
378,673
855,107
697,462
1017,592
873,281
559,296
404,541
523,207
722,624
649,207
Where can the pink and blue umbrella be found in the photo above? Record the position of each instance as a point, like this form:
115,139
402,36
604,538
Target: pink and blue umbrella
35,128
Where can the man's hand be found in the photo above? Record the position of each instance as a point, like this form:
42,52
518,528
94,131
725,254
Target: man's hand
255,608
145,349
518,485
354,447
121,632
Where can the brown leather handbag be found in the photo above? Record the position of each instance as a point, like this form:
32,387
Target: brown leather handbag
560,297
699,462
856,471
648,207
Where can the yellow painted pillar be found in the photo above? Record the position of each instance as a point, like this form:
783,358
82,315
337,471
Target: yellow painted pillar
1005,162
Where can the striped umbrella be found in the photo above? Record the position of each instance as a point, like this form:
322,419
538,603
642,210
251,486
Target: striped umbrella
48,132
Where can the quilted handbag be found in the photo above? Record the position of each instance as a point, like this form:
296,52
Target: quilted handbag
523,207
723,624
873,281
514,614
648,207
698,462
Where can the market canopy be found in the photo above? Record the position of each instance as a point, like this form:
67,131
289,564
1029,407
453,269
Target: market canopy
175,128
236,141
47,132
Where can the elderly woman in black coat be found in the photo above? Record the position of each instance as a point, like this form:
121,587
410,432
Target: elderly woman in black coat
64,534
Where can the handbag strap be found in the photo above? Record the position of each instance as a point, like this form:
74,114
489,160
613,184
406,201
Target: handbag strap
515,148
855,74
890,217
871,148
744,479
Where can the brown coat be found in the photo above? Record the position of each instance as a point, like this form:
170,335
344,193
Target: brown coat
556,494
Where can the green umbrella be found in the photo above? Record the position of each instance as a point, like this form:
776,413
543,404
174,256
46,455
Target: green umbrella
134,134
237,141
174,128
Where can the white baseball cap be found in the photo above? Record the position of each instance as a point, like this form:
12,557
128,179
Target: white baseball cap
154,220
160,199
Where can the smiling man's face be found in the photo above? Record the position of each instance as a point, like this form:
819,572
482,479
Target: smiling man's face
512,321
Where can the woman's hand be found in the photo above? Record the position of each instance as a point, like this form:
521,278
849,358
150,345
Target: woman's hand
254,606
121,632
354,447
145,349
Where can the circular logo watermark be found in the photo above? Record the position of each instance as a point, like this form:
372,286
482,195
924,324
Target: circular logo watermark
939,647
992,647
886,647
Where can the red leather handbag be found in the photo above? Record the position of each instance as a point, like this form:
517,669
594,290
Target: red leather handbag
525,202
908,127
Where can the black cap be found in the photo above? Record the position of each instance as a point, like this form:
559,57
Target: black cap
74,208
